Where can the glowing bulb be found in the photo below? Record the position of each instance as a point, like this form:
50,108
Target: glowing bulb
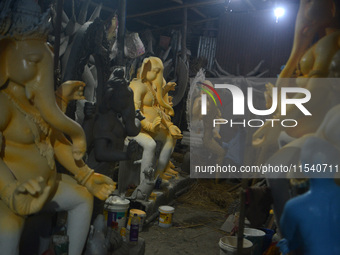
279,12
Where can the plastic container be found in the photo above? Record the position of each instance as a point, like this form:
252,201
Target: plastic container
228,246
115,210
267,238
256,236
141,215
165,216
123,233
134,229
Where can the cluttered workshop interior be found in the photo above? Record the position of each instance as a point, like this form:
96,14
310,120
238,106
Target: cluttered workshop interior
133,127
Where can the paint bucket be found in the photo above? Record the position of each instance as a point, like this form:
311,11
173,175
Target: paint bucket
165,216
115,211
228,246
267,238
141,215
256,236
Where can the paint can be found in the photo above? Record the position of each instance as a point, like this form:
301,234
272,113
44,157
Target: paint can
165,216
256,236
228,246
141,215
267,238
115,211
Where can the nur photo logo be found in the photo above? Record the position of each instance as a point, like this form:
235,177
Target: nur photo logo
204,96
240,101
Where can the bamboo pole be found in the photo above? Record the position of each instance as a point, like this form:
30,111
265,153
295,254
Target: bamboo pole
121,31
60,4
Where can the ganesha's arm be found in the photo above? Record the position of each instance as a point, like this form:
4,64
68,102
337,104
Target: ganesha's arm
6,175
7,179
69,90
63,153
98,185
166,89
168,86
166,120
61,102
147,125
139,92
22,198
8,182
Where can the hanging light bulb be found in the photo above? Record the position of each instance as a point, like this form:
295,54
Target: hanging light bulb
279,12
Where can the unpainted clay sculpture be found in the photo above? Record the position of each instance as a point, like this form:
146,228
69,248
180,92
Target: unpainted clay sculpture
32,129
116,119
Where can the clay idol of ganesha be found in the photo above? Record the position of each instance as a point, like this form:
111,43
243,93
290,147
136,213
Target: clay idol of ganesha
32,129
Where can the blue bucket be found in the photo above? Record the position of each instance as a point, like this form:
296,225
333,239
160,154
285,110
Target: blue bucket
267,238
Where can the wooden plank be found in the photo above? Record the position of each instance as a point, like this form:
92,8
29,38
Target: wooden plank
194,9
173,8
189,24
104,7
146,23
177,1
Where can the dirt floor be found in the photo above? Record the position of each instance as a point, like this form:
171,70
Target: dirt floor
194,231
199,215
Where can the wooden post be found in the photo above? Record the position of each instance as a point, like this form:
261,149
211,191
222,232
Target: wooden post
242,216
57,30
121,31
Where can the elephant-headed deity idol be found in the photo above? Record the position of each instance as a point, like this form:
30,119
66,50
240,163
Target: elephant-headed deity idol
116,119
32,129
151,98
